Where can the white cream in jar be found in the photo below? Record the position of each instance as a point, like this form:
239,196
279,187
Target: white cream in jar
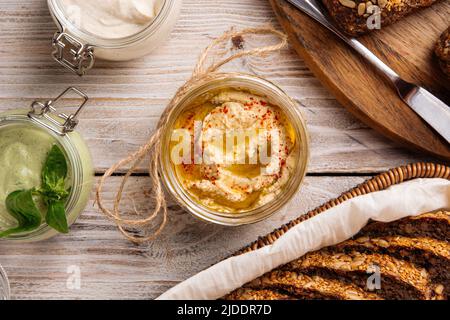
112,19
115,30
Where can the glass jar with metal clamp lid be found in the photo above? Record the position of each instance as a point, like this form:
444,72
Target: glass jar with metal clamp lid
26,138
110,30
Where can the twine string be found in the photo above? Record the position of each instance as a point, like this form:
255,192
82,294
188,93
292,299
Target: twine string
203,71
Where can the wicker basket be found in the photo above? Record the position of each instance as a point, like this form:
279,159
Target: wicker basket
379,182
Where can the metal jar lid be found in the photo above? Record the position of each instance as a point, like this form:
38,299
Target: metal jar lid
72,53
46,114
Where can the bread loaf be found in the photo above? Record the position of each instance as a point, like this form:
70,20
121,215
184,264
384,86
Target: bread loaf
428,253
400,279
443,51
411,254
357,17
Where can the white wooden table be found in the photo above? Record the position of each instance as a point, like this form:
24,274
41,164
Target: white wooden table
126,101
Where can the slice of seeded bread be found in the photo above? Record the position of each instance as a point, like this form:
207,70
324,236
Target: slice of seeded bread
258,294
428,253
429,225
399,279
356,17
315,287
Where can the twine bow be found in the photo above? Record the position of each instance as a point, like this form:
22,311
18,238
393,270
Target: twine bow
203,72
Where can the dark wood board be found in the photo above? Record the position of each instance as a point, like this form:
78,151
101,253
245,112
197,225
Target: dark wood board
407,47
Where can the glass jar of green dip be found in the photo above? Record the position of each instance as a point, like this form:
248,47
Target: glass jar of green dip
26,137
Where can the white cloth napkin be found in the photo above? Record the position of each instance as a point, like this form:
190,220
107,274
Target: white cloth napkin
328,228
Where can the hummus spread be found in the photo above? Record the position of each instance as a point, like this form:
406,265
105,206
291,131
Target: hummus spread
111,19
230,170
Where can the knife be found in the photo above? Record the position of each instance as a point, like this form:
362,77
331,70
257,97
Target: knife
435,112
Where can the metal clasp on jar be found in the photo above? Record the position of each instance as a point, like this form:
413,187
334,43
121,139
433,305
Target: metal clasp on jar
44,114
72,53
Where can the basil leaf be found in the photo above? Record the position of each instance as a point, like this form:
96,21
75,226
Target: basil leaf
54,191
54,173
21,206
56,216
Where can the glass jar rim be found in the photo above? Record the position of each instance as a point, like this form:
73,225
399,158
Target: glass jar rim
4,285
243,81
91,39
75,164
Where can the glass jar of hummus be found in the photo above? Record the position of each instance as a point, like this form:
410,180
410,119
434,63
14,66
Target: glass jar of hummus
234,150
4,285
26,137
112,30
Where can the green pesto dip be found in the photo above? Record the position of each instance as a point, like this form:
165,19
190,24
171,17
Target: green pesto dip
23,152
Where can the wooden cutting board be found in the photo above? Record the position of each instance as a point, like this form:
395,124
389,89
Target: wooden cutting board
406,46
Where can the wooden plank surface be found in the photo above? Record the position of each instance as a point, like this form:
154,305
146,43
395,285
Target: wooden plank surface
113,268
127,99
